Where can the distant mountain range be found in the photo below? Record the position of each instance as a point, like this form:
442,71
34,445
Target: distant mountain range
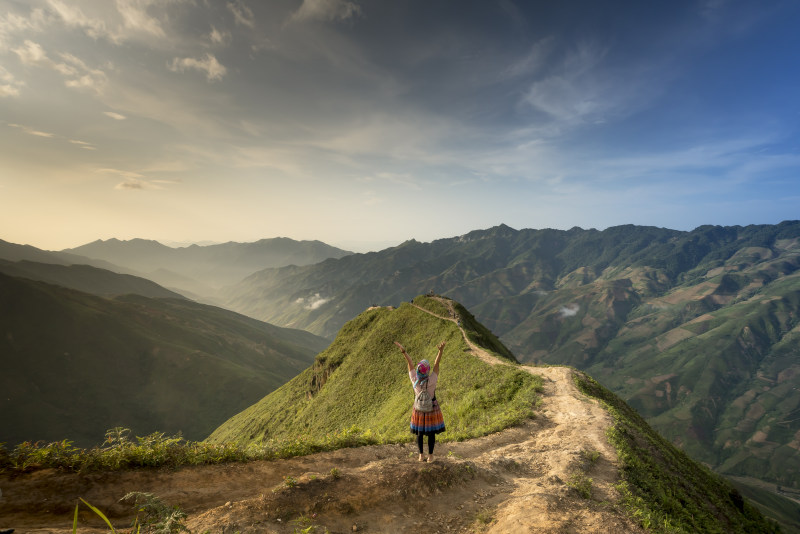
698,330
75,364
201,270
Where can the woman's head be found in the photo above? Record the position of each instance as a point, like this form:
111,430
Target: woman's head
423,367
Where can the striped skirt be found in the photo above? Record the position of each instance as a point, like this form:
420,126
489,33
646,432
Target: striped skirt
427,422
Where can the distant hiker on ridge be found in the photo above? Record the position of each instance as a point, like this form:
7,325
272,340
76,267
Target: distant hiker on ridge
426,418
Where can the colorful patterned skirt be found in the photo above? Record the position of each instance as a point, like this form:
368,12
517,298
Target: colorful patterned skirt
427,422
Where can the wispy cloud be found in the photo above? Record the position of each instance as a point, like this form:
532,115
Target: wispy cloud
326,10
77,74
9,86
132,181
81,76
242,14
135,17
31,131
114,115
570,310
313,302
213,69
12,24
74,17
31,53
218,37
83,144
8,90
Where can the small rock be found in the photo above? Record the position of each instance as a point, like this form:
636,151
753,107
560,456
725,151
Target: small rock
355,528
228,504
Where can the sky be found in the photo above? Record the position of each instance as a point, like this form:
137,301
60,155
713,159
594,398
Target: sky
364,123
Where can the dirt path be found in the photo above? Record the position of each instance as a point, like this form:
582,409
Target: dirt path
474,349
516,481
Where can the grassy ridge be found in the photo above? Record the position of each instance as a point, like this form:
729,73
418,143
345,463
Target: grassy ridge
361,381
662,487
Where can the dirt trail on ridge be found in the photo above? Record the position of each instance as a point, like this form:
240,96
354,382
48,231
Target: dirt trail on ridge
515,481
474,349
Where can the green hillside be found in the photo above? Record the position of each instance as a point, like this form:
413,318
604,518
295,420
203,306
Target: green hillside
361,381
75,365
698,330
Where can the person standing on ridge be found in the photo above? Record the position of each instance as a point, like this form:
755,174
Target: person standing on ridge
426,418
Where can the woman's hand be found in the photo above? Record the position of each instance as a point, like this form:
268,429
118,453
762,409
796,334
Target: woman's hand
440,346
401,346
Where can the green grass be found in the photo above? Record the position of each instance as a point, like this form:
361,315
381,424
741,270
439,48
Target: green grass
361,383
158,451
661,487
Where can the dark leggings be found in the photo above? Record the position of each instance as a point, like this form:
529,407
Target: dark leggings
431,442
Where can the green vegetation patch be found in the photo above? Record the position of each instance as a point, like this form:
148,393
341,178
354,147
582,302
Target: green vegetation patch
360,384
157,450
661,487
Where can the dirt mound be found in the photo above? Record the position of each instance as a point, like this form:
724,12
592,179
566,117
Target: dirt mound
553,474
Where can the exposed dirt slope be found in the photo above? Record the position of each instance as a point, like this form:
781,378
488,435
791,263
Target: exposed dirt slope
513,481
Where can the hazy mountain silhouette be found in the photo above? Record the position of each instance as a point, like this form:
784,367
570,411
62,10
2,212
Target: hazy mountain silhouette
87,279
203,269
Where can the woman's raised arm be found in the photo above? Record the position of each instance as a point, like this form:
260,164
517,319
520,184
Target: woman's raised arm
440,346
408,358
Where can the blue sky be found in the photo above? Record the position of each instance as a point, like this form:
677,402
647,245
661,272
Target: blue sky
366,123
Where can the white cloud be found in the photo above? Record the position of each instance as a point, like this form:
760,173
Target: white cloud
570,310
31,131
242,14
326,10
31,53
9,86
135,17
11,24
219,37
78,74
115,116
8,90
83,144
74,17
313,302
214,69
133,181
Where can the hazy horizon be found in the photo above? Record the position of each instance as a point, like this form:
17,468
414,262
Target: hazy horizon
373,123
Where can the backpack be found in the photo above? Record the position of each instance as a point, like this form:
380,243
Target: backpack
423,401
